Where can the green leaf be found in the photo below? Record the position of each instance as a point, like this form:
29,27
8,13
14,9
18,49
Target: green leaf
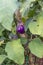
15,51
36,47
25,7
27,23
1,29
37,27
7,22
7,9
33,27
40,23
23,40
1,42
21,1
2,58
41,3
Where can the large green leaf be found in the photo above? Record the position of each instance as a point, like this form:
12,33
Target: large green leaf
40,23
7,22
7,9
2,58
37,27
36,47
15,51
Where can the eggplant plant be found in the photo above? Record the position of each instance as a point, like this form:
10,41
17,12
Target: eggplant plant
21,32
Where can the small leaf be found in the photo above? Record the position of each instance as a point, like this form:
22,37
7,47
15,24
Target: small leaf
1,42
1,29
36,47
33,27
15,51
25,7
23,40
27,23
